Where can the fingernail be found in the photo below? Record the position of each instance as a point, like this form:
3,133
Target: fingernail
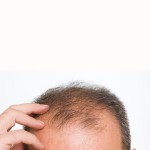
45,105
40,122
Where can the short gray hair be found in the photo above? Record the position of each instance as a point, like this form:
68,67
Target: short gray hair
78,100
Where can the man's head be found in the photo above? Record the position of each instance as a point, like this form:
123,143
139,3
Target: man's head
83,117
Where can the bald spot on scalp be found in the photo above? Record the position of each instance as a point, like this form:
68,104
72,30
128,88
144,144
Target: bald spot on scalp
105,135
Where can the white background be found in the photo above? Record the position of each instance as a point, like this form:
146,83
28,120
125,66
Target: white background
74,33
133,88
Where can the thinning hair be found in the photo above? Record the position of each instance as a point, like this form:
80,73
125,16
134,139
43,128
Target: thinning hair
79,101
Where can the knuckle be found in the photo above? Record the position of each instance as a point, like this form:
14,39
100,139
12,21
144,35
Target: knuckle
9,111
8,114
14,136
12,106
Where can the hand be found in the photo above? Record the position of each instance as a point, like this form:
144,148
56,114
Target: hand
13,140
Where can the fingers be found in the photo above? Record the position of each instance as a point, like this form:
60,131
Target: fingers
18,117
18,114
30,108
19,136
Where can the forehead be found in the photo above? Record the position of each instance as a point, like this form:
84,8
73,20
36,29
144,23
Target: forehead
73,137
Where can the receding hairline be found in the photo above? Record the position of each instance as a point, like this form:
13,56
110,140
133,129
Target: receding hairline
80,109
95,94
90,119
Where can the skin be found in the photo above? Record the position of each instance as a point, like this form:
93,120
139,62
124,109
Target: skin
20,114
45,137
73,137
